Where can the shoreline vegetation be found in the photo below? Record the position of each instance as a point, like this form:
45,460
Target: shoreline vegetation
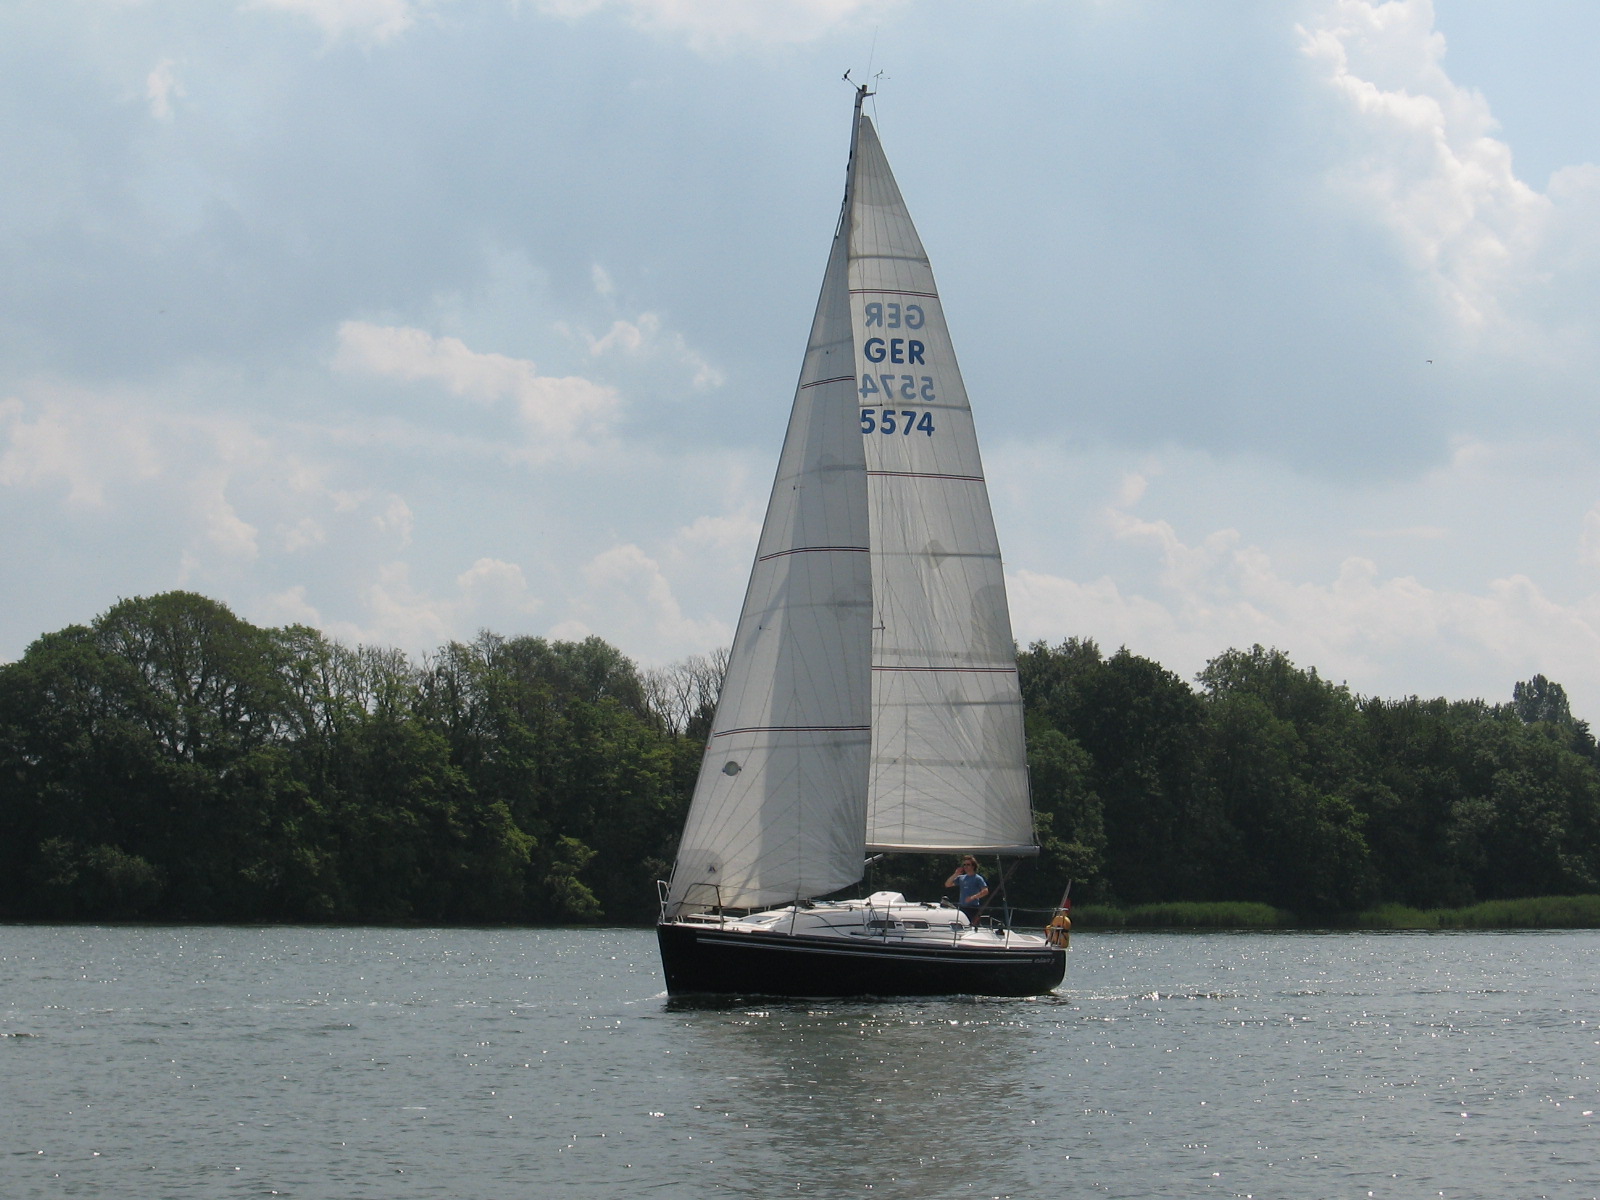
170,762
1536,912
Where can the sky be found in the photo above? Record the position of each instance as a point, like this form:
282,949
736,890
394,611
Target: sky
411,318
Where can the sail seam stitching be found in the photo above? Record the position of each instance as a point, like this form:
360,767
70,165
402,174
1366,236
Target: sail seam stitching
835,379
927,475
988,555
815,550
966,670
795,729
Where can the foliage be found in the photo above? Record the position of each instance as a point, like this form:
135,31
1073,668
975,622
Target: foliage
1273,785
1532,912
171,761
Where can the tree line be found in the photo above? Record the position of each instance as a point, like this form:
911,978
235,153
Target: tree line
172,761
1268,783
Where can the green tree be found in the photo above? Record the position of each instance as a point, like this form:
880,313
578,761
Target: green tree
1068,817
1415,758
1281,755
154,732
1538,699
1141,727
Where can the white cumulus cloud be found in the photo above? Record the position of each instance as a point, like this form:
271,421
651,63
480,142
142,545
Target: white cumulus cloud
627,595
306,532
375,20
1385,636
396,518
561,414
491,593
225,530
722,24
1425,163
87,442
645,339
160,86
178,494
492,581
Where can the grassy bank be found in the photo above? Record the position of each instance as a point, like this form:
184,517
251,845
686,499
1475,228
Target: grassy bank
1538,912
1535,912
1226,914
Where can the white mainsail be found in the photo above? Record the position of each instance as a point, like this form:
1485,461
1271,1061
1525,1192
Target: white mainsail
871,693
949,761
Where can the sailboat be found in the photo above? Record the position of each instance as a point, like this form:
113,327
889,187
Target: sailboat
870,703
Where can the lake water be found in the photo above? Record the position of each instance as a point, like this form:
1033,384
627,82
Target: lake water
354,1063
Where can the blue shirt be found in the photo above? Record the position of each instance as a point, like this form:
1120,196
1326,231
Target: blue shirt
970,886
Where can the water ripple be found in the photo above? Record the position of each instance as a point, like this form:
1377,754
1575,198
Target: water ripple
482,1063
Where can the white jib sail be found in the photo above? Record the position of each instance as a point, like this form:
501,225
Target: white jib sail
949,761
779,811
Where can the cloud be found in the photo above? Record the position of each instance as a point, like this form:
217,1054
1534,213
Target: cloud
400,615
88,442
1424,163
156,491
490,593
1589,540
1408,533
160,86
1384,636
561,413
489,580
713,25
224,529
643,339
289,607
396,611
396,519
732,537
374,20
627,594
1132,490
306,532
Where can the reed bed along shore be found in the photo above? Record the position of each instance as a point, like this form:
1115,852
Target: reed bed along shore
1183,914
1534,912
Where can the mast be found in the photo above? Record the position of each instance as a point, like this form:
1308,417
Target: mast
850,163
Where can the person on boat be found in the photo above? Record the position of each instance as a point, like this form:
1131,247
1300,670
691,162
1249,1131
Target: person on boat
973,888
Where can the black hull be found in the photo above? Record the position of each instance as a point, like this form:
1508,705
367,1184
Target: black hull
710,961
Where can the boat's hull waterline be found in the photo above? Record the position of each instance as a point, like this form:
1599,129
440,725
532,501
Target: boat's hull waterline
705,960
